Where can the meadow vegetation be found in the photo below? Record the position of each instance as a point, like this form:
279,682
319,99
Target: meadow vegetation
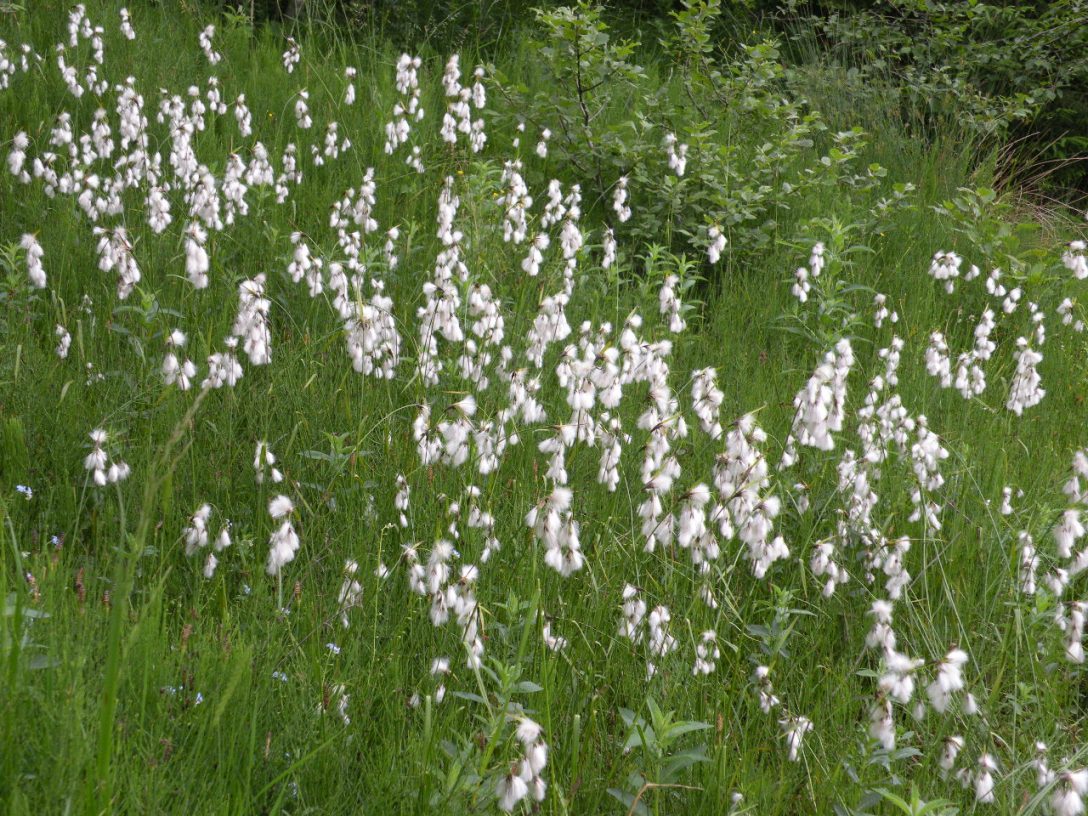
592,423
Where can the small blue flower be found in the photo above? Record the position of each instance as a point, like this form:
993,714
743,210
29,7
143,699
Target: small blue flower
26,491
332,647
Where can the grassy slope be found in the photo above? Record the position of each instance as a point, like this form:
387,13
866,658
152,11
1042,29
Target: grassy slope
255,743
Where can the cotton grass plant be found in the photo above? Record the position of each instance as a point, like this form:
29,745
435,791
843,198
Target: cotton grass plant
544,492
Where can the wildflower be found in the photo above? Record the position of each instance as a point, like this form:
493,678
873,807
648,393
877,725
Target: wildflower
945,267
251,323
716,246
104,470
676,154
555,643
761,677
223,367
302,110
175,372
291,56
948,681
17,157
706,653
619,200
882,723
882,312
34,253
608,243
820,405
283,544
264,464
1067,798
205,39
280,506
196,256
795,728
222,541
984,779
542,144
511,790
1026,389
349,91
952,747
1074,259
196,534
898,680
670,305
351,591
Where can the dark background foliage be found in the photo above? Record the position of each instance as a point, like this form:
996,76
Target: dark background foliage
1017,71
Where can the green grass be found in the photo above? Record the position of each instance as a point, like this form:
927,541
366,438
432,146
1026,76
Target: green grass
133,684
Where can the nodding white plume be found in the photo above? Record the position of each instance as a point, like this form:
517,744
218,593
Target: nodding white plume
707,653
351,592
949,680
554,527
670,305
400,501
881,636
1069,790
292,55
264,464
882,723
821,405
898,679
761,679
619,200
349,91
196,534
795,728
1073,258
104,471
34,252
64,341
284,541
223,367
280,506
608,244
542,145
952,747
17,157
205,39
251,323
302,110
126,25
197,263
175,372
1026,389
707,399
677,154
555,643
984,779
945,267
1068,532
716,244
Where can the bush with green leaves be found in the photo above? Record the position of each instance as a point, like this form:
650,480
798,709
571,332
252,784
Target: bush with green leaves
1010,71
717,143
